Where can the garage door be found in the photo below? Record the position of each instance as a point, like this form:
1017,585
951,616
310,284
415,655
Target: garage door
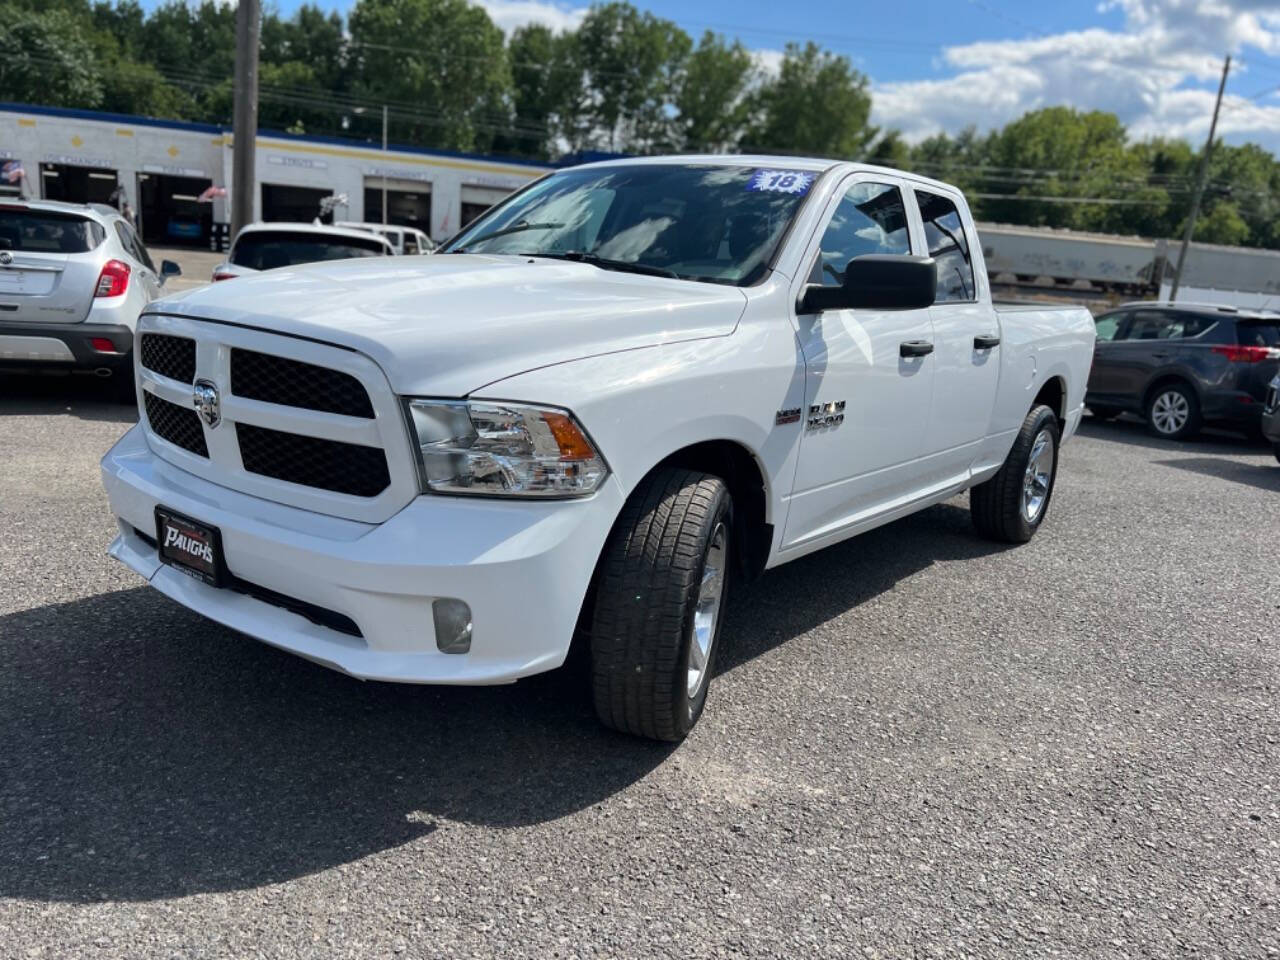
292,204
476,200
171,214
60,181
408,204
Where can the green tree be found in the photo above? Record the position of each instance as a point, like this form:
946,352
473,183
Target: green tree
631,63
712,97
547,91
441,64
817,104
1222,223
45,58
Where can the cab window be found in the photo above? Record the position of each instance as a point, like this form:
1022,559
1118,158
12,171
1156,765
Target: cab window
945,237
871,218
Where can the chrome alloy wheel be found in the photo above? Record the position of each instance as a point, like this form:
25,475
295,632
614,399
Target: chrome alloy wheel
1170,412
1038,476
707,610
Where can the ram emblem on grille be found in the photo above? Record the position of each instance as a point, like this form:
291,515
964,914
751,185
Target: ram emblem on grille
205,398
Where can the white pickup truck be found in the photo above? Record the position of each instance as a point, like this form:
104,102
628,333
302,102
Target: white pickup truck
618,388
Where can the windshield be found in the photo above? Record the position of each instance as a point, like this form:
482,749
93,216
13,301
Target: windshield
695,222
263,250
43,231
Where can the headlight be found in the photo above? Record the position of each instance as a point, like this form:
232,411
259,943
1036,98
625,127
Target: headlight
503,449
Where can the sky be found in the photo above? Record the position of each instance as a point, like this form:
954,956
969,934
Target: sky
942,65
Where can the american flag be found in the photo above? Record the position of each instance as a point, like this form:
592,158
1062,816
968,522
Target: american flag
12,171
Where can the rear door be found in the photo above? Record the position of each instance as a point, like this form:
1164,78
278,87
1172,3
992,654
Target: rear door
49,264
966,336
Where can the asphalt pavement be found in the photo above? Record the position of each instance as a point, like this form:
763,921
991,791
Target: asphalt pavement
919,744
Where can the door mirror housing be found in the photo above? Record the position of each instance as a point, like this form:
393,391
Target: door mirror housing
169,268
877,281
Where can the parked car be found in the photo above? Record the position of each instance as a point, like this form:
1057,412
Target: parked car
628,383
73,279
1183,365
1271,416
269,246
184,226
404,240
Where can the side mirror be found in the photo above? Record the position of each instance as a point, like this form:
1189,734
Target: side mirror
169,268
877,281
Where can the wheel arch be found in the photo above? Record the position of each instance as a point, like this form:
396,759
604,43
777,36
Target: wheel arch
1168,378
1053,394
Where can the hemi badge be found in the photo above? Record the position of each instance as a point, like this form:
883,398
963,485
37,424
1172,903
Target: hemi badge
790,415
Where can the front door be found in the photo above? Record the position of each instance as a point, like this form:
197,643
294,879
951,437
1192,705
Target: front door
867,404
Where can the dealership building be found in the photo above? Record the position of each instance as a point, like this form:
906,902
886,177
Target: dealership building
164,169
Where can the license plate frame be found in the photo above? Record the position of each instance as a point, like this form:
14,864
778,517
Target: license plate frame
184,550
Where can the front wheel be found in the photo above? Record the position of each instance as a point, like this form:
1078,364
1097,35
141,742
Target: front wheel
1012,504
660,599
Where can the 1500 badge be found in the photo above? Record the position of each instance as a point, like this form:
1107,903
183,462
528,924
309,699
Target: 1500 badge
824,415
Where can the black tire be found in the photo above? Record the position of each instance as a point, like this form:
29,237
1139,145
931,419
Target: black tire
647,588
1275,448
1103,413
1190,426
122,383
997,504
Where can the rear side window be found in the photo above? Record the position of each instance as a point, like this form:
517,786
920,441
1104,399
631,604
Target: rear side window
944,236
263,250
44,231
1257,334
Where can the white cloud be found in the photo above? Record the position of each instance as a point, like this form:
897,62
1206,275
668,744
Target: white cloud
512,14
768,61
1159,74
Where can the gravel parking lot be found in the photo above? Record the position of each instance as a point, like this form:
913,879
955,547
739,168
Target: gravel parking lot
919,744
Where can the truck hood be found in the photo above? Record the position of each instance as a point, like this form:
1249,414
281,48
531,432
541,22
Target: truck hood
447,325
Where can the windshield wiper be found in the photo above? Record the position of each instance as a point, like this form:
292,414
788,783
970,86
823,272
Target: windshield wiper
520,227
604,263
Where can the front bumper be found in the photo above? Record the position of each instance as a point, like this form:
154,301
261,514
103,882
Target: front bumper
49,345
523,568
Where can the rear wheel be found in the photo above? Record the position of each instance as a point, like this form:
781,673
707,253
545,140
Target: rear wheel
1173,412
1012,504
659,603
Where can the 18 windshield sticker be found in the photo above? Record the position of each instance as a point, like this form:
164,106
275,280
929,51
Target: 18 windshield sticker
781,181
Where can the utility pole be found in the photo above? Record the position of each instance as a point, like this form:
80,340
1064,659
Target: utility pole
384,164
1200,178
245,115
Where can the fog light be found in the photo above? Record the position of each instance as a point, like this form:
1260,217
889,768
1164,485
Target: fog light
453,625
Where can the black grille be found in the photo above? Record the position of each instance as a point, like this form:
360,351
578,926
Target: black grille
260,376
178,425
173,357
312,462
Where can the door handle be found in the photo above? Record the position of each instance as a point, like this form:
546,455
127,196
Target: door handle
915,348
986,341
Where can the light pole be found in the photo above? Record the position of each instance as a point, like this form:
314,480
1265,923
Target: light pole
245,115
384,164
1199,194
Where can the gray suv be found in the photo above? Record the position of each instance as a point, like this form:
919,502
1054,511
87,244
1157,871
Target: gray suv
1181,366
73,279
